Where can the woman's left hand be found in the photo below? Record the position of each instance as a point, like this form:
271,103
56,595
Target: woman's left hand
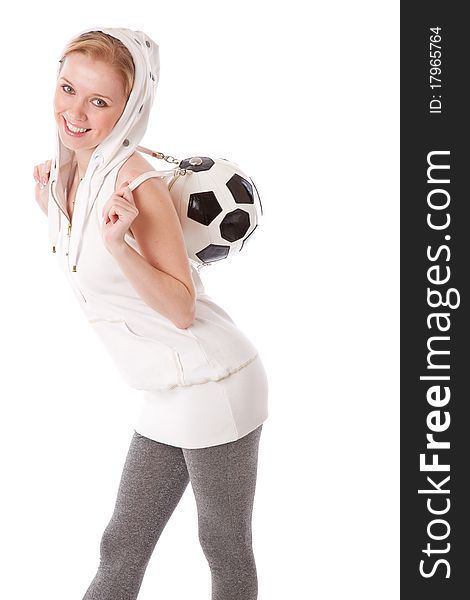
118,214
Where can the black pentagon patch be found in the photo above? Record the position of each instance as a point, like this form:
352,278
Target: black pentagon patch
234,225
241,189
248,237
212,253
203,207
206,163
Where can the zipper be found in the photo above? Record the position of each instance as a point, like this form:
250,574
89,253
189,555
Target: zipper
69,232
60,207
62,211
69,228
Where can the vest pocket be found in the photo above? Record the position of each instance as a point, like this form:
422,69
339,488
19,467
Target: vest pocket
144,363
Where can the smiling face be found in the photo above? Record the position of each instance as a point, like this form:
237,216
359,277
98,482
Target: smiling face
89,95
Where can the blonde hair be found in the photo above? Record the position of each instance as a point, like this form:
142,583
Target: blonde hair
101,46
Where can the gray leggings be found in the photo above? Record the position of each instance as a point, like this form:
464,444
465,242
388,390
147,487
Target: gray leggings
155,475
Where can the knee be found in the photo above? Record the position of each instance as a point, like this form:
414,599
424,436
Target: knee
112,544
230,557
120,547
221,540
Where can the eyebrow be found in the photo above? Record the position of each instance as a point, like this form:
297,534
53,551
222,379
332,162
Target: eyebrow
96,94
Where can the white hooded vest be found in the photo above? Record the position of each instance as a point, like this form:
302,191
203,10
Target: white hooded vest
150,351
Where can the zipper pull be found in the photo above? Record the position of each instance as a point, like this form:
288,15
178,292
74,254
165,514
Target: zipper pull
74,268
53,248
69,229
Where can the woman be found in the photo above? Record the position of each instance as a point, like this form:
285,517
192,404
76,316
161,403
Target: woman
116,234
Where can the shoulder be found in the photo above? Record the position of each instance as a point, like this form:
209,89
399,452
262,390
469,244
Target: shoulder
134,166
157,228
150,196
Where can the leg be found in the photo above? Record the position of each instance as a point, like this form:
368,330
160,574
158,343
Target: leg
223,479
152,483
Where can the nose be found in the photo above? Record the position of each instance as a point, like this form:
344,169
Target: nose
76,113
74,117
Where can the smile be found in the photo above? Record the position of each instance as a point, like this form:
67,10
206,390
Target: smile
74,131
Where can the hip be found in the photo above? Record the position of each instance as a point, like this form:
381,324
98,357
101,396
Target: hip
209,413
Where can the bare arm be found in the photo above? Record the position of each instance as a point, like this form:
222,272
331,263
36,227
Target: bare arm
41,174
161,274
163,292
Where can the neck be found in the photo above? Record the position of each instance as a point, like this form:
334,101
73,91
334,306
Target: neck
82,158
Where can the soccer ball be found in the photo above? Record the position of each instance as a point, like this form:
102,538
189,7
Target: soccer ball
218,206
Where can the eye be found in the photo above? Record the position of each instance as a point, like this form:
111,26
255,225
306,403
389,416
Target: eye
101,105
65,85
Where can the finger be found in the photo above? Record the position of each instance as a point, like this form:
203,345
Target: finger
122,206
41,179
124,189
119,210
119,199
108,203
123,192
109,207
44,176
126,193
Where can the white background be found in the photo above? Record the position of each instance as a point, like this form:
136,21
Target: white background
304,96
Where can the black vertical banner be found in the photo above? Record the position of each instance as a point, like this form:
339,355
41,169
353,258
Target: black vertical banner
434,261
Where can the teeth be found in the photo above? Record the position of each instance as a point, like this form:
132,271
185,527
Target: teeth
74,129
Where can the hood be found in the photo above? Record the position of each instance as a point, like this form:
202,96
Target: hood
120,143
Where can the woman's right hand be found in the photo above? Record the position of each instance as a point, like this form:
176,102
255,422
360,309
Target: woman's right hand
41,175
